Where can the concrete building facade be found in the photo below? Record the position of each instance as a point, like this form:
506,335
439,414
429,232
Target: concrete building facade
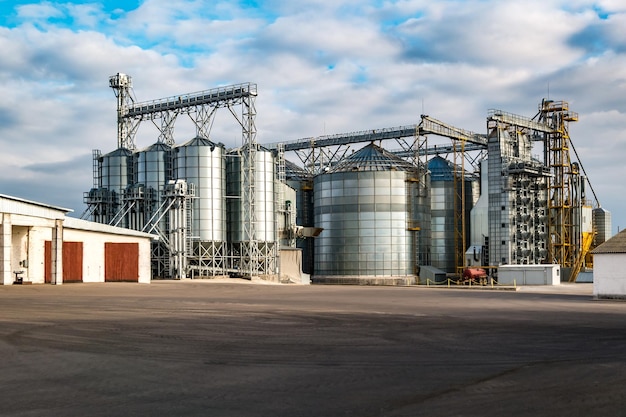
39,244
609,278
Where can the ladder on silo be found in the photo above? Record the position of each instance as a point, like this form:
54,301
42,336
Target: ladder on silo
191,193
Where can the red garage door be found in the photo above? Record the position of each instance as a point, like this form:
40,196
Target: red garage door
121,262
72,261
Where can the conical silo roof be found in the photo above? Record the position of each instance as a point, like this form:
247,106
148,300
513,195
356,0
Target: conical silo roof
119,152
372,158
440,169
200,141
155,147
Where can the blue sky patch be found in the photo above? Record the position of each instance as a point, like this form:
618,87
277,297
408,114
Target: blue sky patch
10,10
602,14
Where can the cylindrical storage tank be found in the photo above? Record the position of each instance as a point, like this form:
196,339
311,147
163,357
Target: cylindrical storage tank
115,176
201,163
602,225
264,196
373,215
153,170
115,170
443,207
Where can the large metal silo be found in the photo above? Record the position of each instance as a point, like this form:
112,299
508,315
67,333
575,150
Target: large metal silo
115,170
257,235
264,197
444,205
201,163
152,167
375,212
602,225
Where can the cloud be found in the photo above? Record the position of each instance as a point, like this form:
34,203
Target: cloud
321,67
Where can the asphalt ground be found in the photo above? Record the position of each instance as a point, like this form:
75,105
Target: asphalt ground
198,348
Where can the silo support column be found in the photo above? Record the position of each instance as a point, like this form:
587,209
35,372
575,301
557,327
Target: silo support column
57,253
6,233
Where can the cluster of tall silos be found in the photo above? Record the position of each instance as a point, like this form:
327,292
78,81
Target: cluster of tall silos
221,212
131,192
382,217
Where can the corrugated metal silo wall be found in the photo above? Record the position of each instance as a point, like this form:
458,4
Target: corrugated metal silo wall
115,177
265,198
152,170
443,203
202,164
366,217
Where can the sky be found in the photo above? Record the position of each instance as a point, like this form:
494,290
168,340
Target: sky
321,66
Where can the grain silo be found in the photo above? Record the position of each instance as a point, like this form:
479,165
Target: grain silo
375,212
251,228
113,177
201,163
602,225
446,226
152,168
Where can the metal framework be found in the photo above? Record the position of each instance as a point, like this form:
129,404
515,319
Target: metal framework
320,152
460,138
518,232
171,217
565,237
171,221
122,85
199,106
316,153
255,258
556,173
564,200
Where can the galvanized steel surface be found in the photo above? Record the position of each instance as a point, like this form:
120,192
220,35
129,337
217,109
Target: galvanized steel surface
114,170
264,197
443,203
201,162
366,212
152,164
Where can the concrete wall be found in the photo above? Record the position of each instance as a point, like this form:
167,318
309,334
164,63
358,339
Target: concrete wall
529,274
609,275
28,244
26,253
22,240
36,258
93,253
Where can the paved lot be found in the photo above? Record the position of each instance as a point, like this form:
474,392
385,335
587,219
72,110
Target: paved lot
224,349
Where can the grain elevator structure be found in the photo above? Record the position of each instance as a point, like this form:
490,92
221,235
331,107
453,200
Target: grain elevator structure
381,206
216,211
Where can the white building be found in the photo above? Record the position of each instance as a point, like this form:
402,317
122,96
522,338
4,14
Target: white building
39,244
609,268
544,274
